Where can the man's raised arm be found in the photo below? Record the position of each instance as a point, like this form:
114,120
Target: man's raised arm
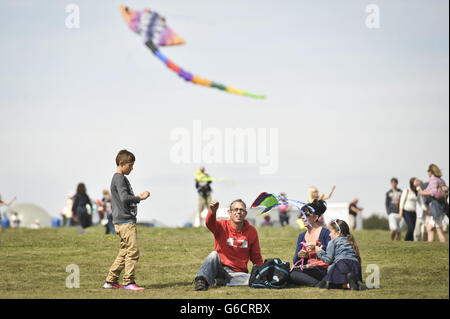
211,217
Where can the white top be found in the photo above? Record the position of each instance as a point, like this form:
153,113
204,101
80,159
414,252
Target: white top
409,200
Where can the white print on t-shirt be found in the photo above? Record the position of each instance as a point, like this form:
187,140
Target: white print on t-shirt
239,243
395,197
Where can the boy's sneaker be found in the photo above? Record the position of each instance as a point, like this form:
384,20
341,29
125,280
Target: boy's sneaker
111,285
133,286
201,283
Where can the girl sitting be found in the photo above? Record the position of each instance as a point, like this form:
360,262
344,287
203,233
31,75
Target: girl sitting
342,255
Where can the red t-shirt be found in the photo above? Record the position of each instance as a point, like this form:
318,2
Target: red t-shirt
235,247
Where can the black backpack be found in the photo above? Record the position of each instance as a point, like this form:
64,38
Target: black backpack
273,273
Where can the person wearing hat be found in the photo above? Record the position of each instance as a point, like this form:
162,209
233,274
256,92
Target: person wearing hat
308,270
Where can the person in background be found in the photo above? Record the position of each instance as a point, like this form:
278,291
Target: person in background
107,207
203,185
100,210
81,209
66,212
267,221
436,205
313,193
353,211
392,204
408,203
15,220
283,211
420,231
4,207
36,224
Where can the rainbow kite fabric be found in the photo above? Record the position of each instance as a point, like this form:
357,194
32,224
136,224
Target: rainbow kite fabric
270,201
156,33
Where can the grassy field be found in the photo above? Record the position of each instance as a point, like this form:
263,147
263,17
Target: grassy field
33,265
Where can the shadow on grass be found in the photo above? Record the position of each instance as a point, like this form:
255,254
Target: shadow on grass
169,285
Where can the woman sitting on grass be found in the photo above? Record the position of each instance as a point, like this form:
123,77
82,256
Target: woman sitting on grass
314,270
342,255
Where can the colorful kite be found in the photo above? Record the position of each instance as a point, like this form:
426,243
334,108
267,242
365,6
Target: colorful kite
156,33
270,201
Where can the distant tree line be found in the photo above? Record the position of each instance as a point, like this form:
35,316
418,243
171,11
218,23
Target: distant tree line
376,222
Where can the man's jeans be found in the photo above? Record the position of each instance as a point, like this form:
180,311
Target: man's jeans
212,269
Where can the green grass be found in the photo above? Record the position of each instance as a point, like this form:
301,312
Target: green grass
33,264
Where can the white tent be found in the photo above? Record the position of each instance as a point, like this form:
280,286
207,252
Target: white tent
29,213
340,211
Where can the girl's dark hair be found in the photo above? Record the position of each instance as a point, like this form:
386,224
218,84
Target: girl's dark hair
411,185
345,231
81,189
319,206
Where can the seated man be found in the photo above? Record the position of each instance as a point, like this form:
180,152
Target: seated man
236,242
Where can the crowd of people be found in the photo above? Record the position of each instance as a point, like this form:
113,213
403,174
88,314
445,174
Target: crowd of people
421,206
79,210
329,254
326,255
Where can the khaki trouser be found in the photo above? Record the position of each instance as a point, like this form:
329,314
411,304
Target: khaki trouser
202,203
128,254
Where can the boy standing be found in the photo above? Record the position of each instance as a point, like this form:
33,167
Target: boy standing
124,211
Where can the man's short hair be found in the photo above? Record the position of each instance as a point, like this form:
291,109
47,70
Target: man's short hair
393,179
125,157
238,201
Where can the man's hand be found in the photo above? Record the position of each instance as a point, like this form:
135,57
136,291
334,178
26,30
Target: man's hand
144,195
213,206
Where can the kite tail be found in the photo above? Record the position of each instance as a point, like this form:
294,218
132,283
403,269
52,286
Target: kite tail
189,77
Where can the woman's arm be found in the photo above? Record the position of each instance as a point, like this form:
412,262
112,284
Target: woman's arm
11,201
323,197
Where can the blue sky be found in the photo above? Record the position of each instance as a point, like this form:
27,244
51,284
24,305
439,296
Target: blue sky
354,106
